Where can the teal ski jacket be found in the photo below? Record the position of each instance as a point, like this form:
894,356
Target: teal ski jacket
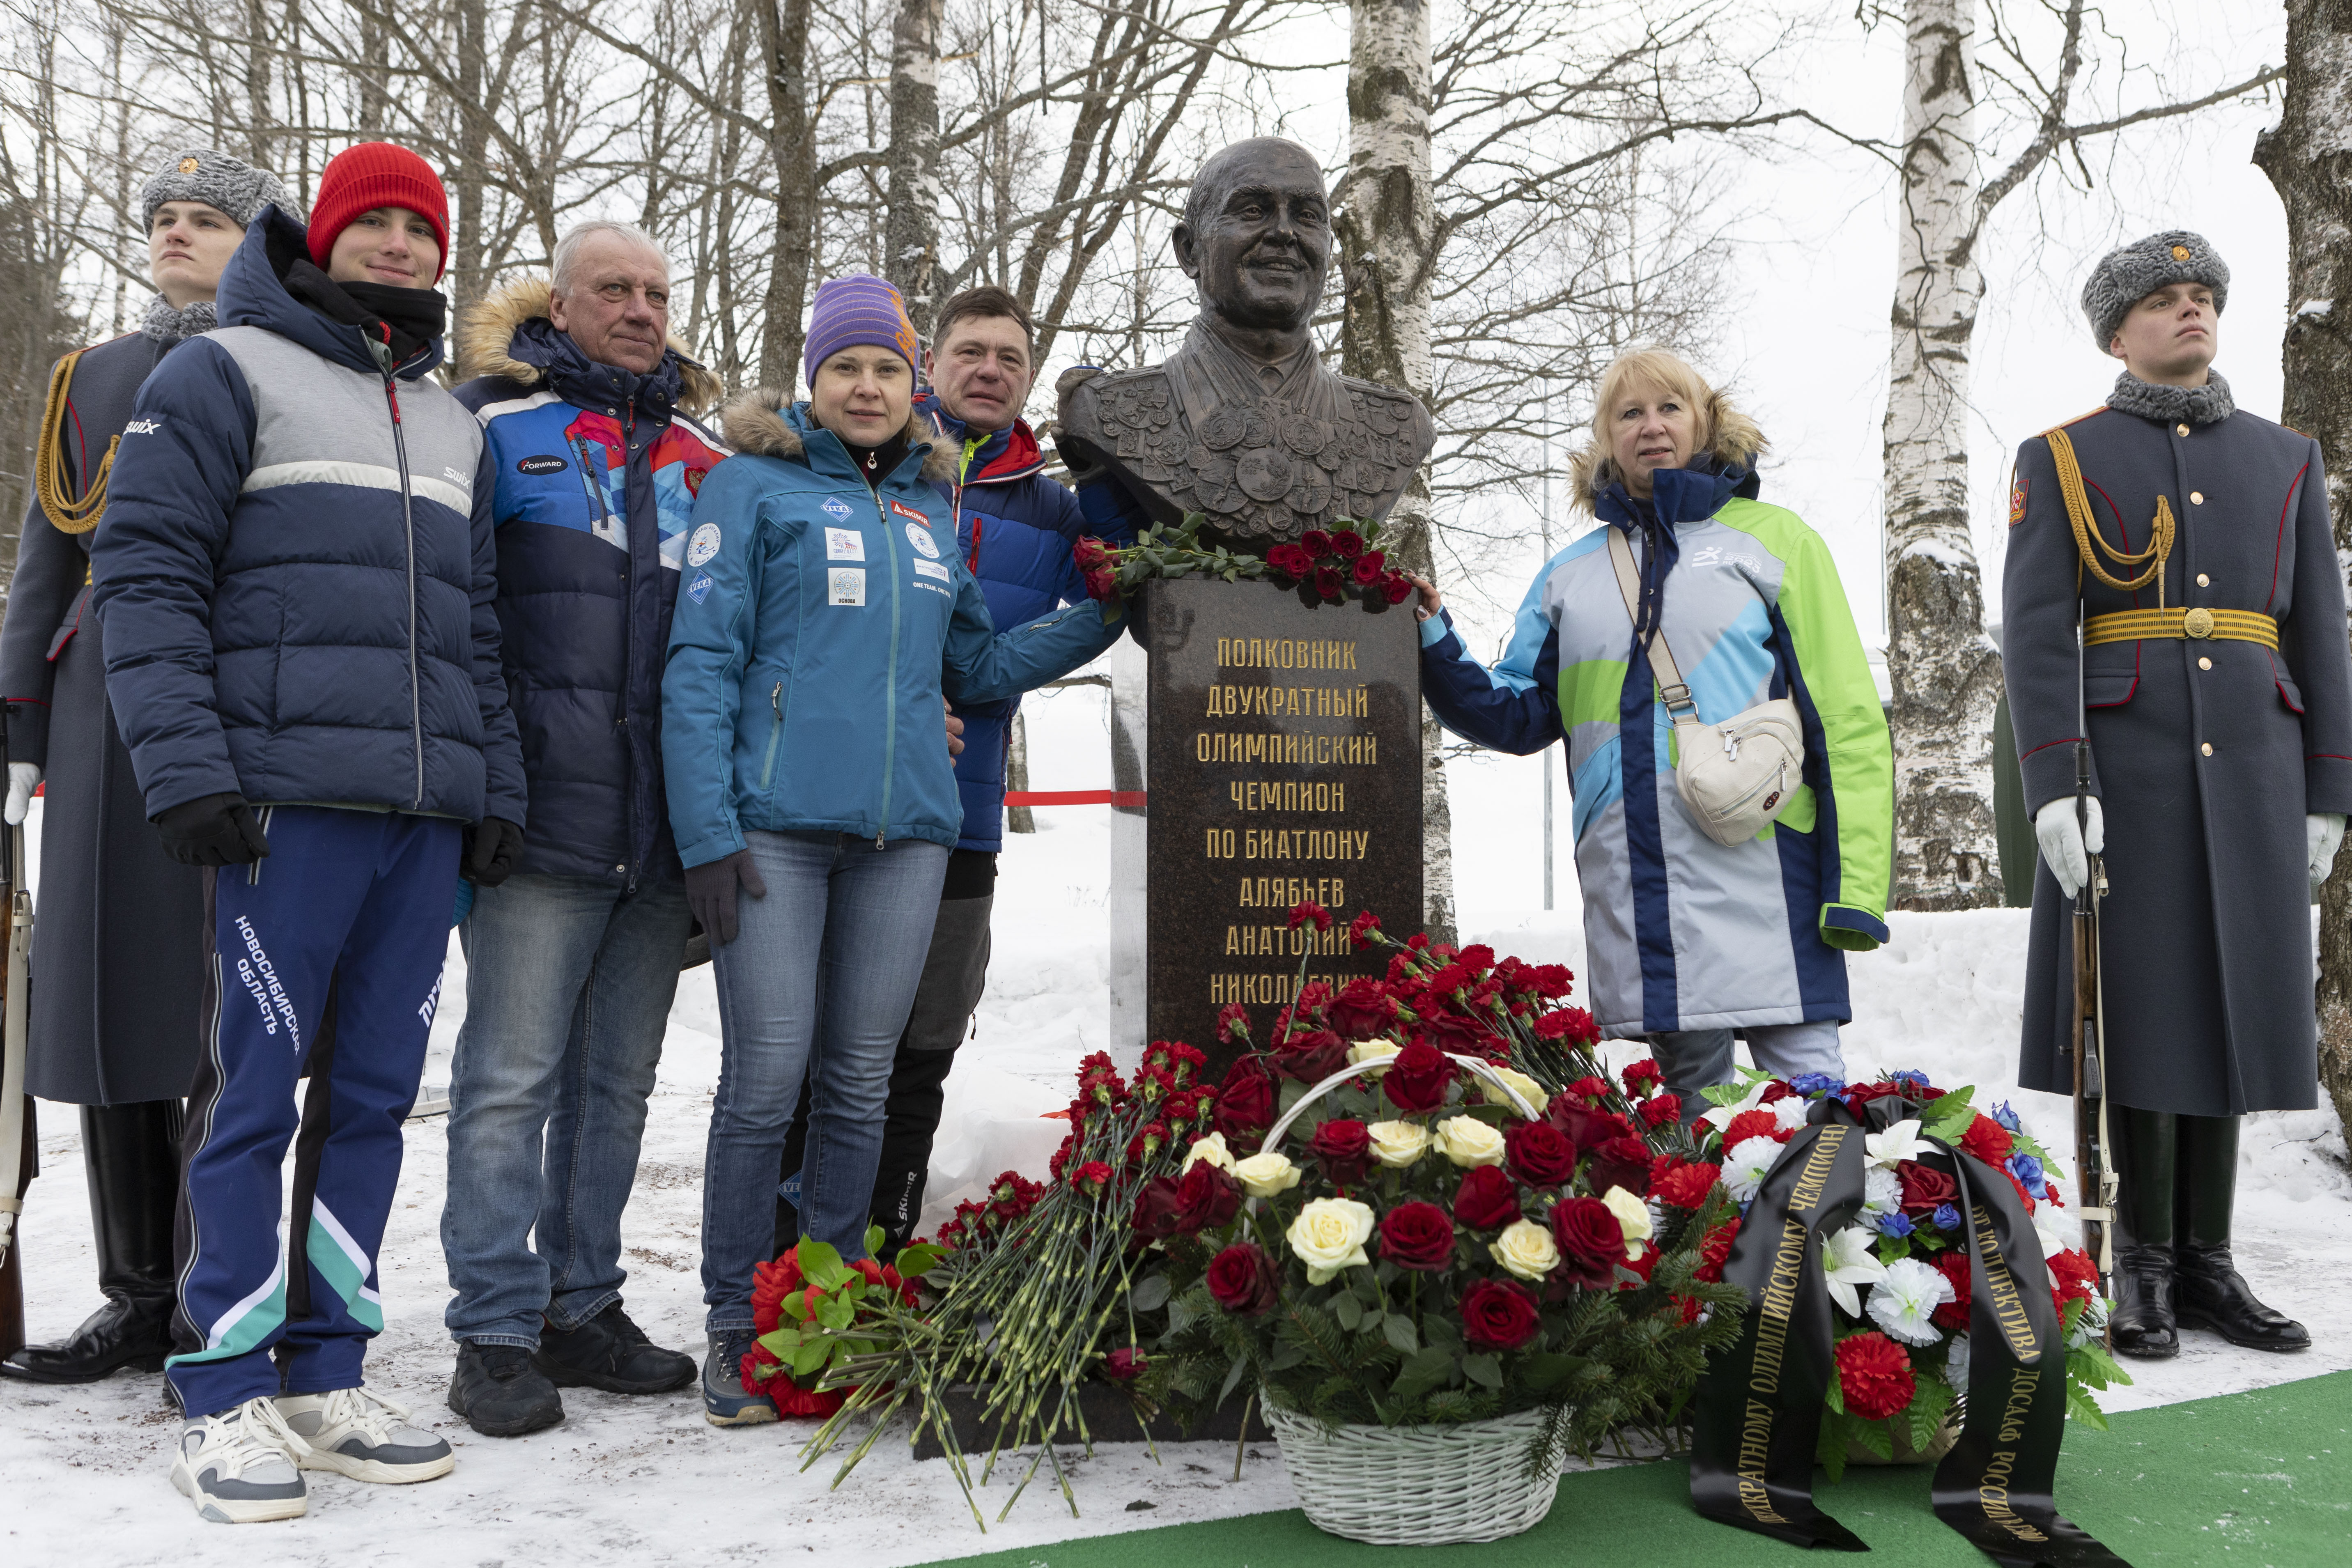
818,628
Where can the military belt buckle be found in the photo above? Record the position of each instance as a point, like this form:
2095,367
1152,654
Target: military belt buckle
2198,622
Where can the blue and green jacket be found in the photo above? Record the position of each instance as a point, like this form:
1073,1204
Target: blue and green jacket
819,627
1682,933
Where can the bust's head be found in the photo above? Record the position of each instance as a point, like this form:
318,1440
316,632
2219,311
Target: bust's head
1256,235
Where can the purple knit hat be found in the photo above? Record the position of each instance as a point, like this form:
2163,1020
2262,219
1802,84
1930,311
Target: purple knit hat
859,310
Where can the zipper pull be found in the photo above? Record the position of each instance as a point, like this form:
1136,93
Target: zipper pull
878,838
392,395
776,700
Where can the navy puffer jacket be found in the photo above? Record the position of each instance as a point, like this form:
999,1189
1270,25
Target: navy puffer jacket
597,470
1015,528
295,572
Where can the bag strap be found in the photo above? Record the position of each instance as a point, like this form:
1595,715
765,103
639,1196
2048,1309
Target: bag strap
1680,707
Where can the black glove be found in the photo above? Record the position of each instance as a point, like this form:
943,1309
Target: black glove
710,893
213,830
492,848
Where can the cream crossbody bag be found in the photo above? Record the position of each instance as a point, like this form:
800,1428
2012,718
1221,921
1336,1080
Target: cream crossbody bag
1738,777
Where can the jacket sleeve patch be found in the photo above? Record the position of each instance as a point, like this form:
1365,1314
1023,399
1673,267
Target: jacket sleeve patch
2017,501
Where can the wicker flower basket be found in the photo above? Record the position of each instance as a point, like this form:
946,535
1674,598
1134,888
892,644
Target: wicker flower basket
1415,1486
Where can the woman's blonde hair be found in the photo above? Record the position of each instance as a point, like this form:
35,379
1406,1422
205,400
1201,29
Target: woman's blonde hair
1724,430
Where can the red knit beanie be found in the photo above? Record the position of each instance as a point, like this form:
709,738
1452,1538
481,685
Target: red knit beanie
372,174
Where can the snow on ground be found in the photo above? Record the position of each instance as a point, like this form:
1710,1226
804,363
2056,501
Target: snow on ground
628,1481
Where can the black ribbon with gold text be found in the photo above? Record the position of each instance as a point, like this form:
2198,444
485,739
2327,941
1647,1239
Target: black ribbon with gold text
1758,1409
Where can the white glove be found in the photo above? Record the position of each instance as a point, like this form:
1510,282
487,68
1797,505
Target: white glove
2321,832
24,776
2066,846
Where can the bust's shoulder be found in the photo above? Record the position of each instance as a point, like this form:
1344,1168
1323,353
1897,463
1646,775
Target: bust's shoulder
1392,411
1083,390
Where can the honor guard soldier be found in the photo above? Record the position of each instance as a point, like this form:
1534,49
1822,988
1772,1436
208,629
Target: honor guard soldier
118,978
2190,542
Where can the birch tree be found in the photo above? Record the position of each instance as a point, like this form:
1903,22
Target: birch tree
2306,156
1945,670
912,237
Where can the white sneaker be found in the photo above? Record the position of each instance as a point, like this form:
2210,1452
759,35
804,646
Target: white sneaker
359,1432
238,1467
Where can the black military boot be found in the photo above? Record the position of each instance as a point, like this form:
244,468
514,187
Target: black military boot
2143,1324
2212,1294
130,1154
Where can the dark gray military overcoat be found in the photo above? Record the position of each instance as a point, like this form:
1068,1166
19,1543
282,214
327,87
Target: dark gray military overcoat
118,975
2206,755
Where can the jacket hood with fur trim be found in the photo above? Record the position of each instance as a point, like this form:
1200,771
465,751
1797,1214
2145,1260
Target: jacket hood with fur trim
1737,443
486,335
754,422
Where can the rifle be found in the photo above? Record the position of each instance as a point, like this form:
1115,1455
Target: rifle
19,1142
2087,1039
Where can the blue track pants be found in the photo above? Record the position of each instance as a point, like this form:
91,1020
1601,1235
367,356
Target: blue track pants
360,899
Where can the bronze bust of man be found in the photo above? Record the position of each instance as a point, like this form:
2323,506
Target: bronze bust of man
1242,422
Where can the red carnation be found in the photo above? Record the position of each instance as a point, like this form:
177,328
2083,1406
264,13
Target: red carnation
1308,910
1875,1376
1987,1140
1539,1155
1241,1279
1952,1262
1634,1075
1641,1267
1417,1236
1206,1195
1344,1148
1362,1009
2078,1277
1686,1186
1124,1364
1232,1023
1620,1162
1486,1200
1316,542
1924,1190
1753,1124
1498,1315
1360,929
1714,1250
1312,1056
1660,1109
1245,1101
1574,1024
1417,1078
1592,1243
1093,1175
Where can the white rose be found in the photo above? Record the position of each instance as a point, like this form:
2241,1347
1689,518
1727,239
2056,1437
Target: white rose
1263,1175
1527,1249
1529,1090
1364,1051
1328,1236
1632,1218
1397,1144
1211,1149
1466,1140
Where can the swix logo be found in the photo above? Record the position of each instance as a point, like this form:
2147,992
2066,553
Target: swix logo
260,979
432,1002
141,427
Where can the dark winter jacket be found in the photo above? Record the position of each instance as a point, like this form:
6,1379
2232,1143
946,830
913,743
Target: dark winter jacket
820,624
598,467
295,569
1015,528
118,930
2206,753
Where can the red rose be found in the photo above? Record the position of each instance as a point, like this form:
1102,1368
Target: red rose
1311,1055
1344,1148
1102,584
1585,1127
1329,583
1486,1200
1157,1206
1290,561
1245,1101
1498,1315
1620,1162
1952,1262
1417,1078
1417,1236
1396,588
1714,1250
1089,552
1124,1364
1241,1279
1316,542
1753,1124
1875,1376
1858,1095
1987,1140
1346,543
1592,1243
1686,1186
1362,1009
1453,1032
1206,1197
1538,1154
1924,1191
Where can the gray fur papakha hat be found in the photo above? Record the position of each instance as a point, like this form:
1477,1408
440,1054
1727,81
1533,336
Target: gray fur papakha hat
213,177
2130,273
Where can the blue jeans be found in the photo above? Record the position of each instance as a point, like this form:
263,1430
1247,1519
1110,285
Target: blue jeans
1694,1059
852,923
568,987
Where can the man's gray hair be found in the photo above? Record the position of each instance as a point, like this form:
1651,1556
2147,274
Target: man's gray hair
567,248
